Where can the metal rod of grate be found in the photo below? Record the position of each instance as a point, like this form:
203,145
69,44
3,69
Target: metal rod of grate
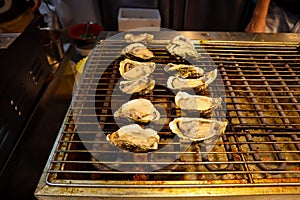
260,146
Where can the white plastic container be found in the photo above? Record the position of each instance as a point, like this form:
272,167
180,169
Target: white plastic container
131,18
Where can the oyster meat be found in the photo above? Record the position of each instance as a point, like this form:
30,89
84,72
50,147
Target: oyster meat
137,50
183,47
138,110
132,70
196,129
184,71
200,83
134,138
142,37
142,85
203,104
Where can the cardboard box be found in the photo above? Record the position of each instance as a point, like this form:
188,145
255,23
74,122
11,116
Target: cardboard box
131,18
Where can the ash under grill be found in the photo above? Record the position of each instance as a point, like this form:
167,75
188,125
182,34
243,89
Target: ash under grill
261,145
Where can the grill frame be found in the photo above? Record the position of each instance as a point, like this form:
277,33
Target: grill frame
150,188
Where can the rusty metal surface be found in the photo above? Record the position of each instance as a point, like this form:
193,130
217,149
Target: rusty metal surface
257,156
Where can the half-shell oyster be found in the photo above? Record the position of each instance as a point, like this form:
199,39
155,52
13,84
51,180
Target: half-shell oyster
132,70
134,138
196,129
184,70
137,50
138,110
142,85
200,83
203,104
142,37
183,47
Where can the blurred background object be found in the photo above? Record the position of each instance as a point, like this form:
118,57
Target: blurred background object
73,12
16,15
275,16
131,18
84,36
53,45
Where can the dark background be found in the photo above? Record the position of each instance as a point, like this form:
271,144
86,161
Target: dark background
193,15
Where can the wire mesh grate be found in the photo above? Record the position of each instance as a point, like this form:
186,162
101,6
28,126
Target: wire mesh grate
260,146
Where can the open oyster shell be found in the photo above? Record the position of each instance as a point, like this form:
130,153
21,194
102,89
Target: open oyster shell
137,50
134,138
184,71
183,47
138,110
200,83
142,85
203,104
197,129
142,37
132,70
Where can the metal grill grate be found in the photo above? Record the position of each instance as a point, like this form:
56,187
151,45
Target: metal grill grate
261,145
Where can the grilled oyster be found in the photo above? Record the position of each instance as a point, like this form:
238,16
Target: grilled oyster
142,37
132,70
134,138
200,83
137,50
183,47
203,104
142,85
138,110
196,129
184,71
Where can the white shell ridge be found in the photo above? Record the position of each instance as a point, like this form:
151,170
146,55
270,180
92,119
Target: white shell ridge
174,82
203,104
138,50
134,138
132,70
142,85
197,129
183,47
142,37
138,110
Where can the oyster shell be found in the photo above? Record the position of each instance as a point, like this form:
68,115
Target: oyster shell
196,129
142,37
132,70
138,110
184,71
183,47
137,50
134,138
203,104
182,41
200,83
142,85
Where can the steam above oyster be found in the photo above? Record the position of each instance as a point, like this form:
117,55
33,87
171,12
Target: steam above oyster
134,138
183,47
184,71
200,83
203,104
142,37
142,85
138,110
132,70
137,50
196,129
